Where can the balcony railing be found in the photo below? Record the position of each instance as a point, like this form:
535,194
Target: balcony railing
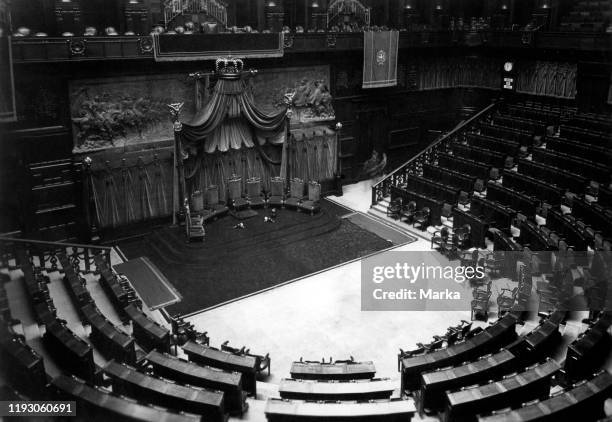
212,8
414,166
44,254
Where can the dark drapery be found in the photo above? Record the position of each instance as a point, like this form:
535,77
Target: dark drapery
231,120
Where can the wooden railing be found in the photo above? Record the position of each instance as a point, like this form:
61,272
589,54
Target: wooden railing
212,8
44,254
350,7
429,155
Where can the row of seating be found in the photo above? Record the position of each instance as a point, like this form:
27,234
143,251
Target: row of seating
518,201
523,352
189,373
562,178
481,155
96,404
37,289
392,410
529,125
531,186
585,135
492,212
584,401
108,339
244,364
119,290
462,165
69,351
128,381
449,177
429,209
501,145
524,138
590,350
491,339
595,153
588,169
148,334
431,188
597,216
513,390
573,235
20,365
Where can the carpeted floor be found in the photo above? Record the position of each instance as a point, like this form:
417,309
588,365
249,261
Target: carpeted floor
231,263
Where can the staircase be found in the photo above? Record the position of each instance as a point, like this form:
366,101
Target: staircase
381,191
177,12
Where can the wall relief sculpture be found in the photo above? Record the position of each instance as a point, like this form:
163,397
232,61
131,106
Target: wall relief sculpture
312,100
119,112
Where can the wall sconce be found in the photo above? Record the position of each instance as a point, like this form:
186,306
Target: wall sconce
438,7
314,4
271,4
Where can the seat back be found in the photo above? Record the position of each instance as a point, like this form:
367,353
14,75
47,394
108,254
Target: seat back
197,201
479,185
212,195
297,188
314,191
447,210
235,187
254,187
277,186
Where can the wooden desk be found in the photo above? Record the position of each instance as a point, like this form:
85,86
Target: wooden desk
344,390
332,371
191,373
96,404
126,380
582,403
489,340
206,355
534,383
279,410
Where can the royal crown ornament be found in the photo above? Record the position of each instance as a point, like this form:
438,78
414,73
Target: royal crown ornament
229,66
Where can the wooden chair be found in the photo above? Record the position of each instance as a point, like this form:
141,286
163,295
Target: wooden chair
296,193
408,212
194,225
277,192
439,240
235,193
255,197
422,218
314,196
214,207
395,207
446,215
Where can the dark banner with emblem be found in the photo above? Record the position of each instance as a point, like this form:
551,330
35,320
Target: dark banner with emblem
212,46
7,87
380,58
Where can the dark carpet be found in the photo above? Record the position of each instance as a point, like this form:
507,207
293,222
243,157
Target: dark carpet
231,263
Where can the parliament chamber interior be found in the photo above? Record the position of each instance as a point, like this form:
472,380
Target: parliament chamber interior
405,205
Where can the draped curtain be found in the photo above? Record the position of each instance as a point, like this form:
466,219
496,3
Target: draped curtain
127,192
548,78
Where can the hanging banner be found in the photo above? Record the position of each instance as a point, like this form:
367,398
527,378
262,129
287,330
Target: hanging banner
380,58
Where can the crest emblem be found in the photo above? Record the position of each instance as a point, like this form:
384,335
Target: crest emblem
381,57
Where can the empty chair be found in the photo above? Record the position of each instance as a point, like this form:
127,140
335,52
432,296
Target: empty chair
214,207
407,214
439,240
255,197
235,193
446,215
194,226
296,193
464,198
314,195
479,186
422,218
394,208
197,201
494,174
277,192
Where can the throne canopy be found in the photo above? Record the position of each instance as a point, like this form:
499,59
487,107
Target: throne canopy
232,120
